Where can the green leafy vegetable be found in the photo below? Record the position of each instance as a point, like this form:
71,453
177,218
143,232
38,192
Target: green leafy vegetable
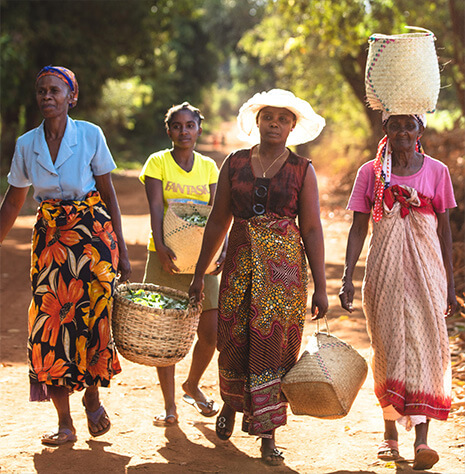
196,219
155,300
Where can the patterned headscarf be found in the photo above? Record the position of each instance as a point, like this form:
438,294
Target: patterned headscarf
66,75
383,164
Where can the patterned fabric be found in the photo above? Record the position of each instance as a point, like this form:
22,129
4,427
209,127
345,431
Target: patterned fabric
404,299
66,75
262,308
281,195
383,164
74,261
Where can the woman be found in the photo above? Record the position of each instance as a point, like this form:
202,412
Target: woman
263,292
77,250
408,286
181,175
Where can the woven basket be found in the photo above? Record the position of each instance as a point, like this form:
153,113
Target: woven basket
326,379
184,238
402,73
150,336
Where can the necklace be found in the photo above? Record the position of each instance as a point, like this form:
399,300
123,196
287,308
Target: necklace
274,161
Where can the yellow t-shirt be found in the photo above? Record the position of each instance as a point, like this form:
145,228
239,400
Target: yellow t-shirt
180,185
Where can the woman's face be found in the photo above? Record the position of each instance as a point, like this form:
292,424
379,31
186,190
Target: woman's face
184,129
53,96
403,132
275,124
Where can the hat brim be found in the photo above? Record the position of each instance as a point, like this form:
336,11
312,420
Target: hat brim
309,124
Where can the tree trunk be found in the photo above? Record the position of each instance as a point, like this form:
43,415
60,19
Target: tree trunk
9,135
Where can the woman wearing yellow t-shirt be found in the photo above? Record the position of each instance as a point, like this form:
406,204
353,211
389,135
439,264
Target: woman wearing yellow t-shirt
181,174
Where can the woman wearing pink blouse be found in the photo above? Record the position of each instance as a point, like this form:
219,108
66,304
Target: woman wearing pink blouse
408,287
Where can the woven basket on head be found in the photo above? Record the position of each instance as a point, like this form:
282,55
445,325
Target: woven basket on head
184,238
326,379
402,73
150,336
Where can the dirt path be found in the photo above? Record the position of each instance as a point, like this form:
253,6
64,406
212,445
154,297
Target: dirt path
310,445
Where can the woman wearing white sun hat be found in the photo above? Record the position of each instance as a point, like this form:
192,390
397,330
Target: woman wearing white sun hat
263,292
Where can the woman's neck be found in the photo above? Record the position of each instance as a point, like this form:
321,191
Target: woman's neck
55,127
184,157
406,163
271,151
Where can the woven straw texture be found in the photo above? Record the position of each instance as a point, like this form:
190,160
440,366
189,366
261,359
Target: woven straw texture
402,73
184,238
326,379
150,336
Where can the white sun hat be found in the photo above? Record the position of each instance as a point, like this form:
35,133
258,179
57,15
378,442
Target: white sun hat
309,123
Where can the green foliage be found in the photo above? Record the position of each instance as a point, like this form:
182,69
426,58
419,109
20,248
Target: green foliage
318,49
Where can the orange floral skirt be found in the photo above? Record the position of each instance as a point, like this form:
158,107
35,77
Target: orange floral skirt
73,271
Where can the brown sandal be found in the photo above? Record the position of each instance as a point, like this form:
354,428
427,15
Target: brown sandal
388,450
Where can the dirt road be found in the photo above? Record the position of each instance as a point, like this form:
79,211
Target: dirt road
310,445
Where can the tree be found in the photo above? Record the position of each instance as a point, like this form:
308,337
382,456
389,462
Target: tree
88,37
320,47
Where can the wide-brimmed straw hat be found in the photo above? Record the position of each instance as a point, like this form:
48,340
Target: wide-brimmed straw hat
309,123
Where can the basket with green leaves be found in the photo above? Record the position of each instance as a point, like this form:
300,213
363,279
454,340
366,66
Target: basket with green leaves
183,228
153,325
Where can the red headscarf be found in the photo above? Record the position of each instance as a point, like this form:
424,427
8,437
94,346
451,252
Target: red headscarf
66,75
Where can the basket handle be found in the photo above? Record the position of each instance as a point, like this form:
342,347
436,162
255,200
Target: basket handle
318,325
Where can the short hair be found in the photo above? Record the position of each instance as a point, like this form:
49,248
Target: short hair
178,108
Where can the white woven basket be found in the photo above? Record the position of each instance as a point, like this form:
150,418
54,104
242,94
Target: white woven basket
402,73
184,238
326,379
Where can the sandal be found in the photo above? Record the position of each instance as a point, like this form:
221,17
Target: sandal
165,420
425,457
388,450
224,427
96,417
207,408
273,457
59,437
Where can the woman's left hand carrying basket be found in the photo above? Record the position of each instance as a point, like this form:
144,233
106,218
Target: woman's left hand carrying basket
153,336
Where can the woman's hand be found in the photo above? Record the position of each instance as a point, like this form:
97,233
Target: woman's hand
452,303
219,263
167,258
346,295
196,290
124,268
319,305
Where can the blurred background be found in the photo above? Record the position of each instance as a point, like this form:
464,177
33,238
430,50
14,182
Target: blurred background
135,58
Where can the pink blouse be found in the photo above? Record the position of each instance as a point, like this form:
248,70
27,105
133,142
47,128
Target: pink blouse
432,180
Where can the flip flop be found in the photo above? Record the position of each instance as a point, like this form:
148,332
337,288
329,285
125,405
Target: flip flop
425,457
388,450
59,437
223,431
165,420
94,418
210,405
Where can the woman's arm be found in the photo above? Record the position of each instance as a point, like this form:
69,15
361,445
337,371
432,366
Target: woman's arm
220,262
312,237
357,234
9,210
154,192
445,239
107,192
217,226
